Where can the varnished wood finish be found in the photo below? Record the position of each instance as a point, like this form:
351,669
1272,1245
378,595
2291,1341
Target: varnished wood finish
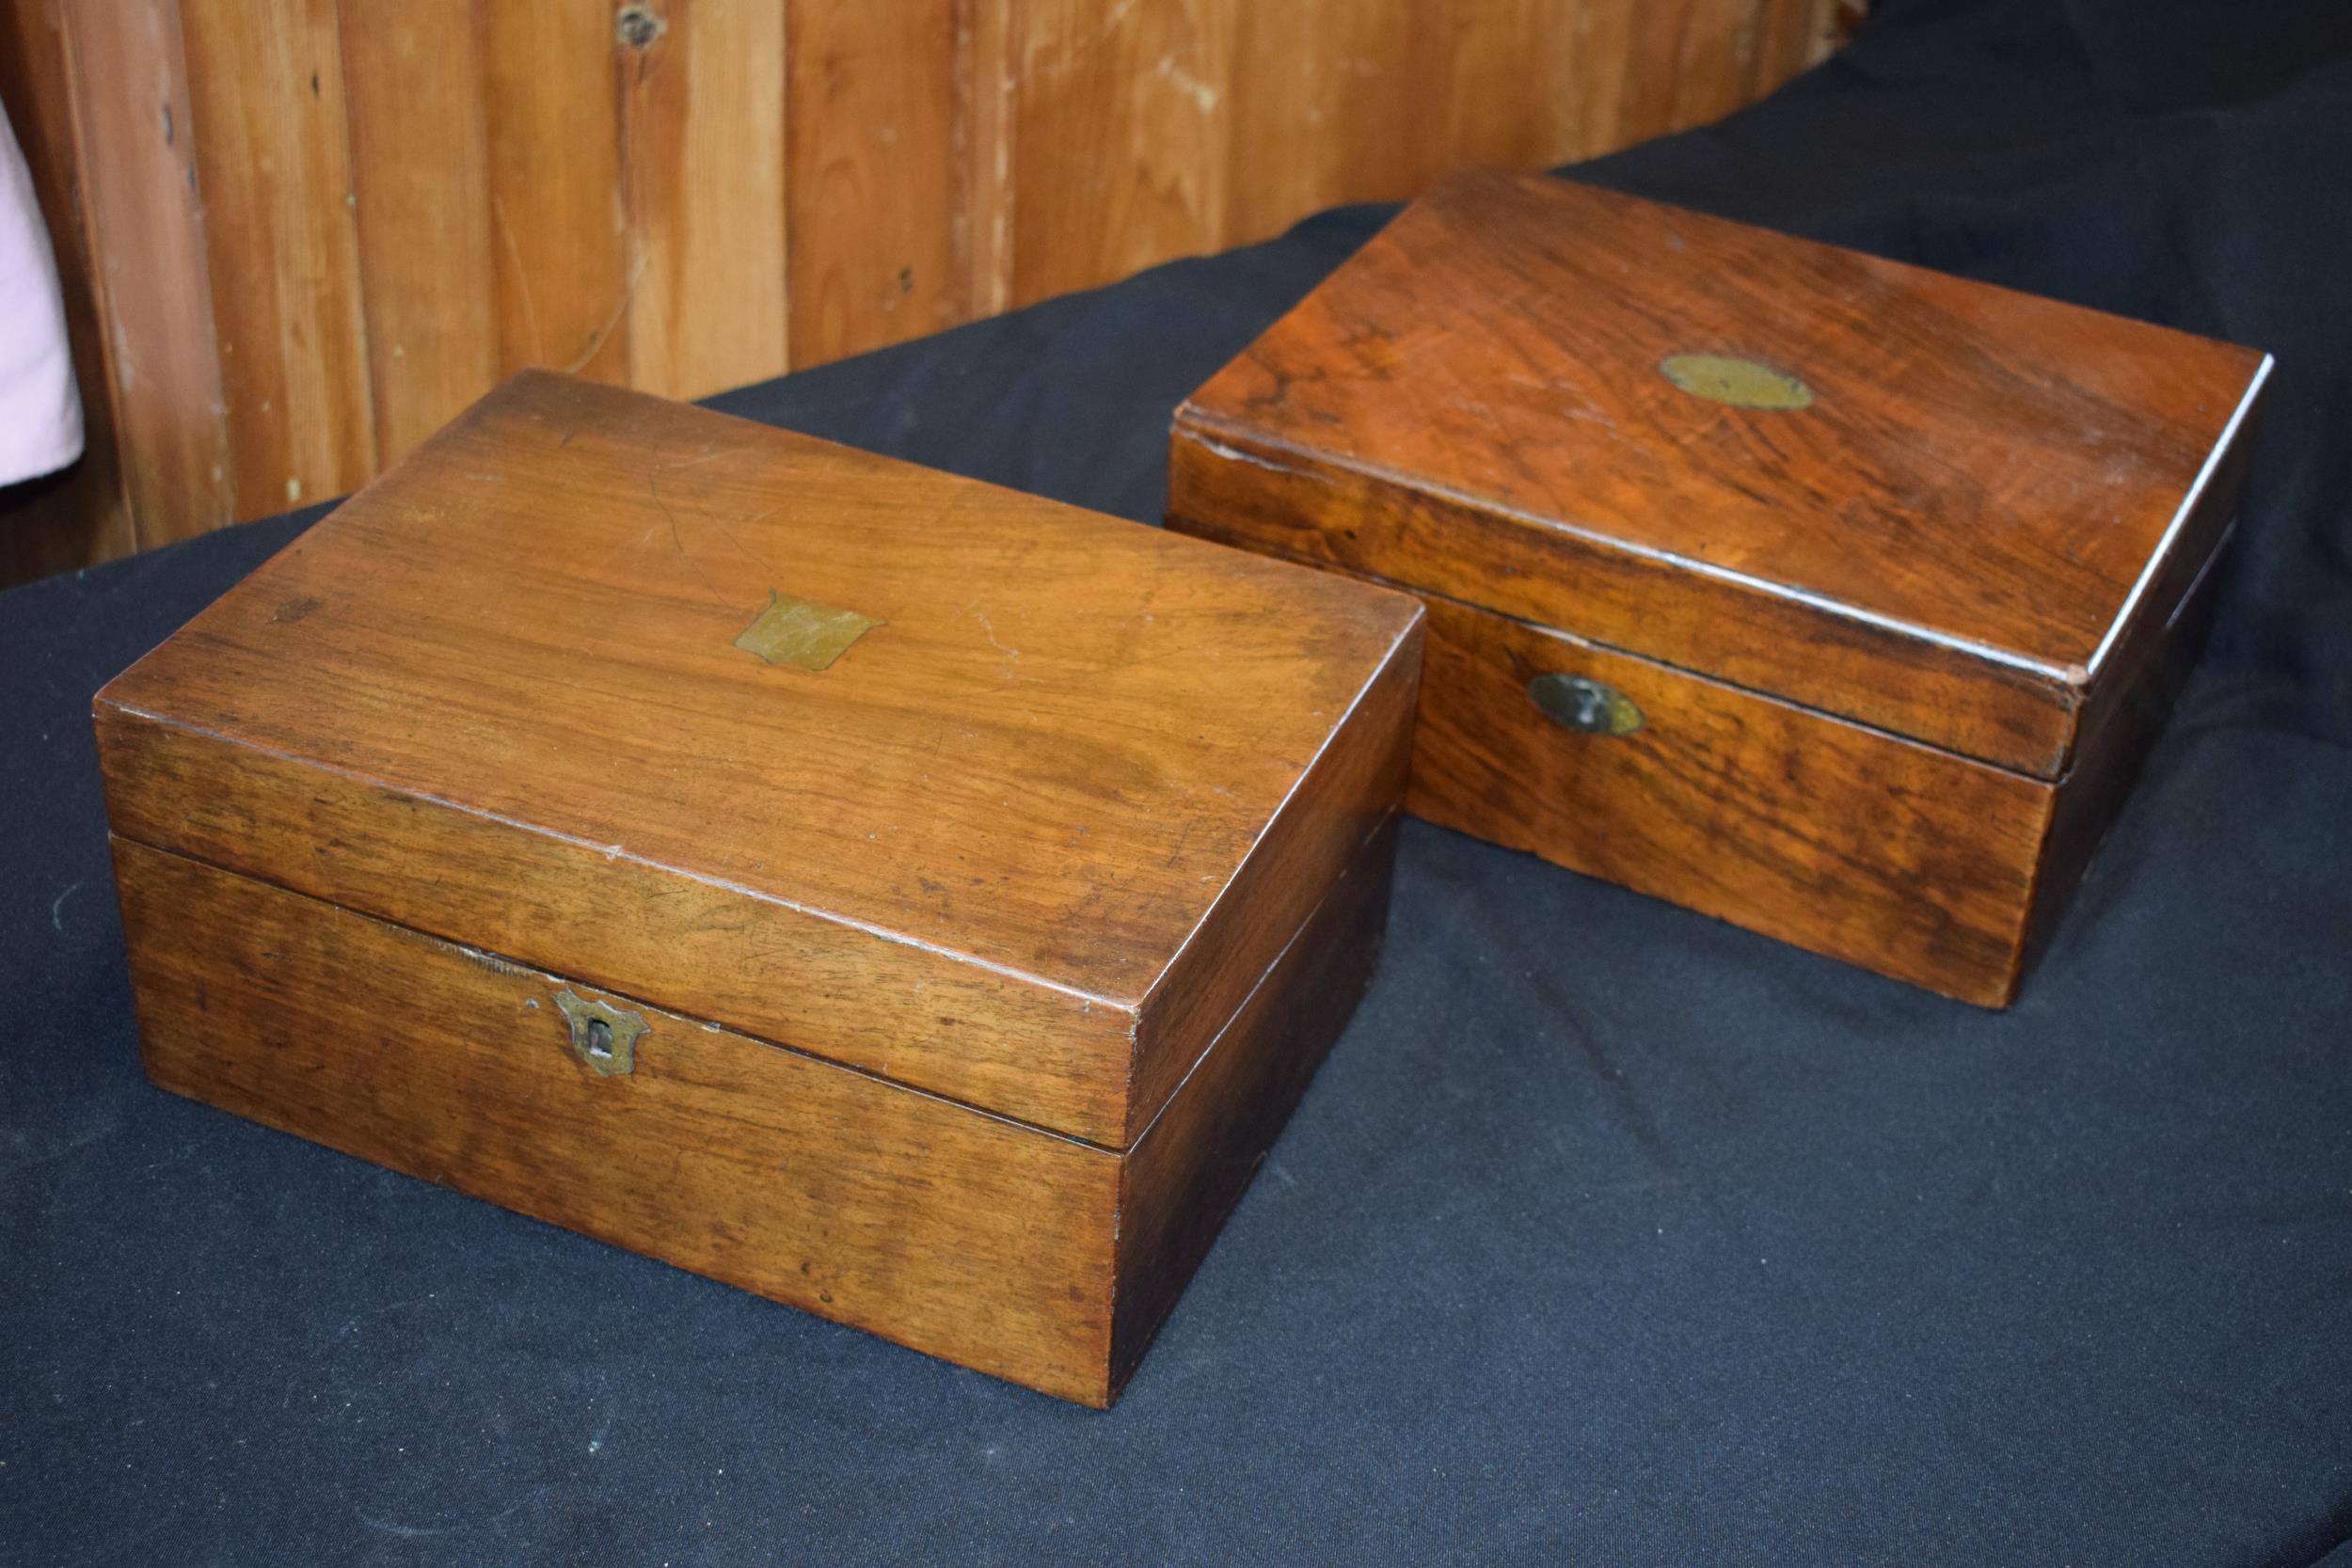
1848,841
337,222
1352,787
498,696
983,963
2108,760
1945,544
1224,486
1192,1164
1023,1253
1898,654
929,1223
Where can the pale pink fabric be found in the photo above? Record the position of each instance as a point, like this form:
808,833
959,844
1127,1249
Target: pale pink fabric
41,414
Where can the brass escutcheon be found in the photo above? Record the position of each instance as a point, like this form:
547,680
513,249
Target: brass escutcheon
603,1035
1584,705
803,632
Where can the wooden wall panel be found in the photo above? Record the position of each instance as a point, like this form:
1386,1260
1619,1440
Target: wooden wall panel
1325,98
1715,69
703,107
143,231
1791,35
558,214
299,235
265,82
1656,38
1691,61
1121,131
879,170
419,153
990,93
1532,42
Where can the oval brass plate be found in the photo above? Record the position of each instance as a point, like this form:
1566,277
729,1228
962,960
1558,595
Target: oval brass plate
1740,383
1589,706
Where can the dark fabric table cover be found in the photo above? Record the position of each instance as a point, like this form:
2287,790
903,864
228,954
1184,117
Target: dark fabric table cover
1609,1233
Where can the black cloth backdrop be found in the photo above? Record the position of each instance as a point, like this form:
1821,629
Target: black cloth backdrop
1609,1233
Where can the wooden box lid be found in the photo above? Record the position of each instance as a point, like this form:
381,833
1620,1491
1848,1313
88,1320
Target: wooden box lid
1941,508
997,798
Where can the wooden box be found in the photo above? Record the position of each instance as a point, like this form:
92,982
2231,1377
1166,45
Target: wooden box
1834,597
907,899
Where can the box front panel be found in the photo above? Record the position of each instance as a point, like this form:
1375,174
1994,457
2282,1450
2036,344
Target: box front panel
1230,485
919,1015
1839,838
917,1219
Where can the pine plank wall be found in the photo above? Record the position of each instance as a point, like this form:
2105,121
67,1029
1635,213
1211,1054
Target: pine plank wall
298,235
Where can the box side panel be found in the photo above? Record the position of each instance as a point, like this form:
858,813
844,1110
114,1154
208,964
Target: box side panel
1843,840
2108,759
911,1013
1225,485
2139,663
1191,1166
1356,785
921,1221
2155,647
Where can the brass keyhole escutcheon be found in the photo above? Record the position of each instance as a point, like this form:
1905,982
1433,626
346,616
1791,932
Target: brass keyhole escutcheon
1584,705
603,1035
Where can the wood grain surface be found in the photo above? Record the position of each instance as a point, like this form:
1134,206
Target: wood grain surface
1880,851
1005,849
1124,163
686,196
1009,1249
1948,542
1193,1164
929,1223
273,162
2116,744
420,165
550,94
1920,863
1898,651
147,238
879,168
703,133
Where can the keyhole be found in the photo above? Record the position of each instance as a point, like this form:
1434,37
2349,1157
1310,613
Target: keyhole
1586,705
601,1035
